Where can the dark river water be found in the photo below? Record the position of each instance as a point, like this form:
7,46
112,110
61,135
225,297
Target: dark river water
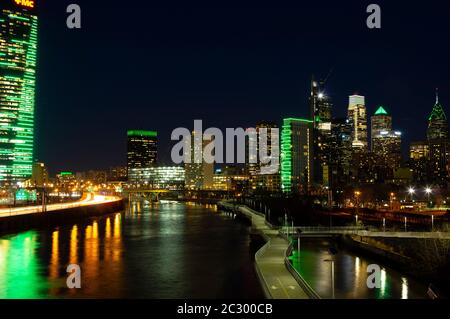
351,274
164,250
171,250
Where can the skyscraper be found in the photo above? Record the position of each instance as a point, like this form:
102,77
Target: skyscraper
142,148
438,143
255,168
321,108
18,48
296,155
385,145
381,121
419,160
340,152
199,175
437,122
358,121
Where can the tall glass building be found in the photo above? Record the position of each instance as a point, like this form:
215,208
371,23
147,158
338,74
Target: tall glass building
142,149
18,46
358,120
296,155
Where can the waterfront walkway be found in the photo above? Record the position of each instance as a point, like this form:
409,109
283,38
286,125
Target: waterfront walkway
90,199
270,261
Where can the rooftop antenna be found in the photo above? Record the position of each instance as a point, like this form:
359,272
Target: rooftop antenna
328,75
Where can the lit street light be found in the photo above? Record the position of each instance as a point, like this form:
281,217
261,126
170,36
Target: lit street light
411,192
357,194
428,191
391,200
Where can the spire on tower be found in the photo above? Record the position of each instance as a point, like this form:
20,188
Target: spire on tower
437,95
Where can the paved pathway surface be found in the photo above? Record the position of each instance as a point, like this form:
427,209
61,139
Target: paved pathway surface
280,284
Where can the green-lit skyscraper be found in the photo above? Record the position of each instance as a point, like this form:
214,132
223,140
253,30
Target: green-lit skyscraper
142,149
296,155
18,46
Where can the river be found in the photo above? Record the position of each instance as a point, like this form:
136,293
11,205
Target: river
170,250
163,250
351,274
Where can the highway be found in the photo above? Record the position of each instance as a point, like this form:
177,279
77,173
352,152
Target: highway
90,199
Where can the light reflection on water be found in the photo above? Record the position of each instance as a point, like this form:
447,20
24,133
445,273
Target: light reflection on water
150,251
351,275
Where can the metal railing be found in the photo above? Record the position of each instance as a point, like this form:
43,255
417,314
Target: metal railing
298,277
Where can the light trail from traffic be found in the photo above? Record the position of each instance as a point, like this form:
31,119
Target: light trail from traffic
91,199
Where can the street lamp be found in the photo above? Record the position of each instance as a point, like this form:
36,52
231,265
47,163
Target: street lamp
357,194
392,200
428,191
411,192
333,251
299,231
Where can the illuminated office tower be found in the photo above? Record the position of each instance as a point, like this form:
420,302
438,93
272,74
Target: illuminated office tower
385,144
358,120
418,161
255,168
39,177
199,175
142,148
387,147
296,155
18,46
437,122
438,144
381,121
321,107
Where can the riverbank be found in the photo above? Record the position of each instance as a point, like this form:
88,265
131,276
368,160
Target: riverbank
276,279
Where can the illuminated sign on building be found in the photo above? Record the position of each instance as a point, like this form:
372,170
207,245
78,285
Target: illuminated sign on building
25,3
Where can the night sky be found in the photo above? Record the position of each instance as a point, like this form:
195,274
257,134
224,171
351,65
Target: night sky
142,66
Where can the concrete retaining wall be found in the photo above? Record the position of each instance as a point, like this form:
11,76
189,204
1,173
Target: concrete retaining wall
57,217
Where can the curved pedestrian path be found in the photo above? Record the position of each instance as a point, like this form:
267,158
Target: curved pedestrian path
270,261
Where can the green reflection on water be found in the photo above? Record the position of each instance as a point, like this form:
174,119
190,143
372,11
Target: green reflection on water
19,267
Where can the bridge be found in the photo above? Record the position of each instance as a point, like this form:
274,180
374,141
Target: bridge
308,231
89,199
147,190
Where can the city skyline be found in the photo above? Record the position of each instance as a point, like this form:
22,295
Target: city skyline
223,152
256,67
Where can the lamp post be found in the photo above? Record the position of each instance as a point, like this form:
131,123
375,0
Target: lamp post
357,194
432,223
333,251
299,231
391,199
411,192
428,191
